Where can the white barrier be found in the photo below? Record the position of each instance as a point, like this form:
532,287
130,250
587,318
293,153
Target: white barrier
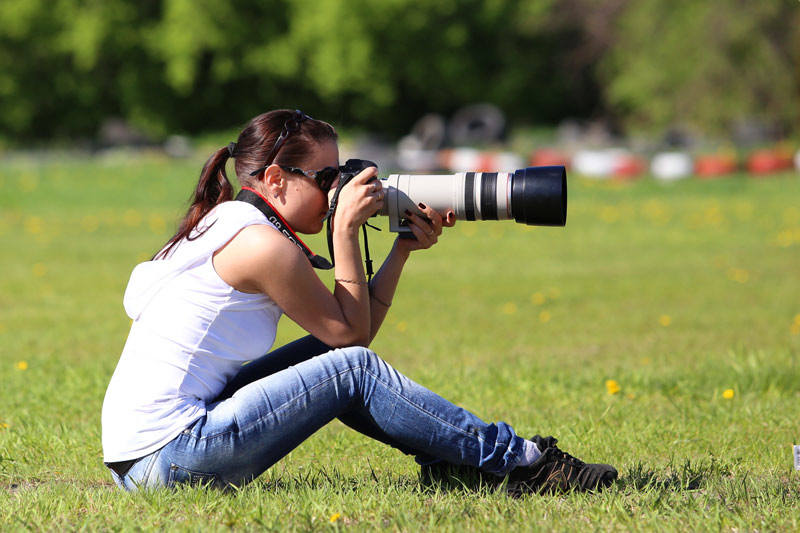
671,166
598,164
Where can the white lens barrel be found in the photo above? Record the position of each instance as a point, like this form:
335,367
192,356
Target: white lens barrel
472,195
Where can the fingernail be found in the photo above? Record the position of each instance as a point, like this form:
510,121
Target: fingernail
421,205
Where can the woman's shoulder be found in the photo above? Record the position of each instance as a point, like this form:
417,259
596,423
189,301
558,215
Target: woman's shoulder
255,253
264,240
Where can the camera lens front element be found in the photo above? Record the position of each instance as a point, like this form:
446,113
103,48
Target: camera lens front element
539,196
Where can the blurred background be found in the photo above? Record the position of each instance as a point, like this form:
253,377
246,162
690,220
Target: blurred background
615,88
659,328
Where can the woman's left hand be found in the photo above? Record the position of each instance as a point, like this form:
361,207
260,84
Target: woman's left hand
426,231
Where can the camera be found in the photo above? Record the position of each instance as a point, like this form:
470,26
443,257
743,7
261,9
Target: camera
534,196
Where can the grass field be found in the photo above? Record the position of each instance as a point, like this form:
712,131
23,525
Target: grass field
677,293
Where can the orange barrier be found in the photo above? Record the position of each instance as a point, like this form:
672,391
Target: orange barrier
714,165
768,161
628,167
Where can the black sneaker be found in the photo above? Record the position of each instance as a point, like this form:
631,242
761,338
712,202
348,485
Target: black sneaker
557,471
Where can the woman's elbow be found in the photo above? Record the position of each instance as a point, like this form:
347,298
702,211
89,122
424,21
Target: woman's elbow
362,341
350,337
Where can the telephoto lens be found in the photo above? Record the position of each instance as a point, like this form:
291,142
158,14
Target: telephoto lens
534,196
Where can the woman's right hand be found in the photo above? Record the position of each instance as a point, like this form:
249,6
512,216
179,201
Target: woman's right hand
359,200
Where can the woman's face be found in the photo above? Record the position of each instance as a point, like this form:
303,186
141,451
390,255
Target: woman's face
304,205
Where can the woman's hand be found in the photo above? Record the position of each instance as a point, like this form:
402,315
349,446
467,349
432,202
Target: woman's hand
358,200
426,231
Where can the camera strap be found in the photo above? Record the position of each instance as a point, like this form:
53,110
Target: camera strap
329,229
253,198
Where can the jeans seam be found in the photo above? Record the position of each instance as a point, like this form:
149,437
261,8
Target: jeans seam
148,471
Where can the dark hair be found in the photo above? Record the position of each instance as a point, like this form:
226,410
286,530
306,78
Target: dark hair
251,152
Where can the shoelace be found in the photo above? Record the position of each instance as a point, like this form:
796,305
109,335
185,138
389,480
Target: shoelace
567,458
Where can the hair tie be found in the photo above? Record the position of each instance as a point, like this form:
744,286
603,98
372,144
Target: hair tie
232,149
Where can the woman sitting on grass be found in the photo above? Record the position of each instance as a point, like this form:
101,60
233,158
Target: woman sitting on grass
181,408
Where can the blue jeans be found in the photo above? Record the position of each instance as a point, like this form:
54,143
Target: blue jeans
245,433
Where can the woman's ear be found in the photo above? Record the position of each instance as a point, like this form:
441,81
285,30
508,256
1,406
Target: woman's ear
273,181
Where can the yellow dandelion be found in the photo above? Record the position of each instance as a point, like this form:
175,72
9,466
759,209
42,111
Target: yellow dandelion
795,329
28,182
609,214
3,425
509,308
39,270
537,298
335,517
544,316
157,224
728,394
797,318
785,238
33,225
713,216
132,218
21,365
612,386
739,275
402,326
665,320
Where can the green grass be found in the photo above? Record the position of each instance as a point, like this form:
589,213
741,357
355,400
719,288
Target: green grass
676,292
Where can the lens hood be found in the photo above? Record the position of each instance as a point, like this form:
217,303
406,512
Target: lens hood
539,196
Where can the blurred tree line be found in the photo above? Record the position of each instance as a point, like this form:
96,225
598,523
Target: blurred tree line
200,65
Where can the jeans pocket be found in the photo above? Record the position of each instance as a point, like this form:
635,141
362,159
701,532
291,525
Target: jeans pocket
179,474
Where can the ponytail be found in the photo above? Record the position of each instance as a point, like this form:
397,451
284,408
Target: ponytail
253,148
212,189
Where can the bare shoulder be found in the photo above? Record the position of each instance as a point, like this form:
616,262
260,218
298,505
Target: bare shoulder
252,254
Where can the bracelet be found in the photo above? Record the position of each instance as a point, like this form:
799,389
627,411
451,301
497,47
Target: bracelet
354,282
375,296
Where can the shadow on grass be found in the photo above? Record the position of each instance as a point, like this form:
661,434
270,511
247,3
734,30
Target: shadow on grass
321,478
449,478
682,477
686,476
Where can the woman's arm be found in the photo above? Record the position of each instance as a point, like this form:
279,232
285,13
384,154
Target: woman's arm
384,284
260,259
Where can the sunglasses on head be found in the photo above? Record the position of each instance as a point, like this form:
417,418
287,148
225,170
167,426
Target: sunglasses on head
324,178
292,125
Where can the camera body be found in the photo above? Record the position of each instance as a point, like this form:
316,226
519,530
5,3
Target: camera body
534,195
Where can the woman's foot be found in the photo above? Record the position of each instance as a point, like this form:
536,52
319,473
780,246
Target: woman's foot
554,471
558,471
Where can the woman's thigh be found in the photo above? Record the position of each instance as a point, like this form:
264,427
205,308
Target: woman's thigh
244,435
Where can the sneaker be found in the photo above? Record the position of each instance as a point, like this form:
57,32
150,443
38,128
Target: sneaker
558,471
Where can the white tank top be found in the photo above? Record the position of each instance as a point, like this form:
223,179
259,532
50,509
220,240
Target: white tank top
190,334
